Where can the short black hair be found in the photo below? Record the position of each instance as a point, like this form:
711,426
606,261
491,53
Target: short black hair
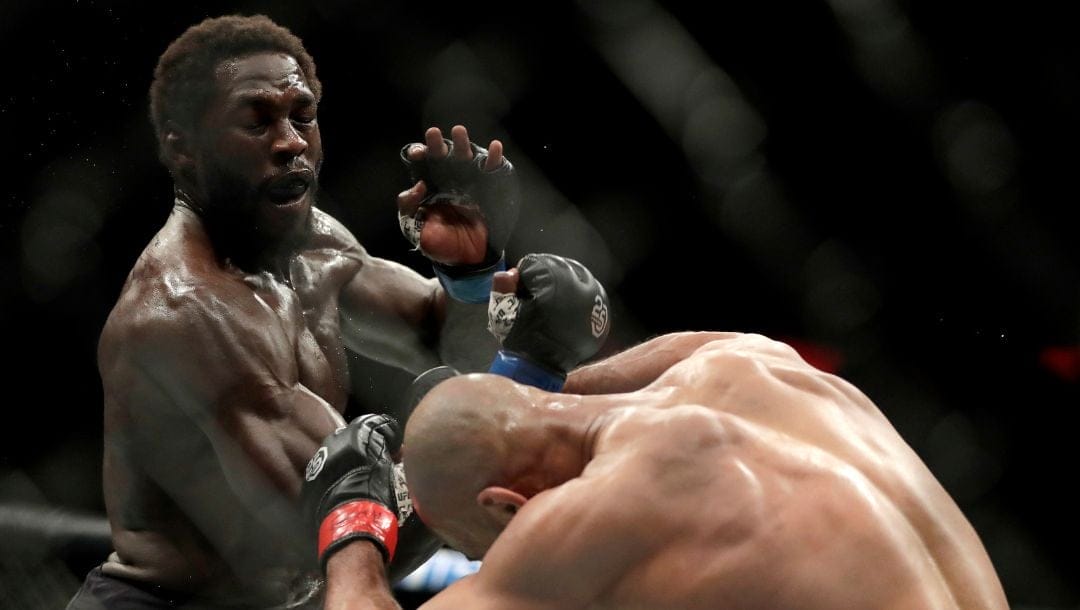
184,76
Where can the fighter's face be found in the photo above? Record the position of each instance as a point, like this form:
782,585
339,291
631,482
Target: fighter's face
258,149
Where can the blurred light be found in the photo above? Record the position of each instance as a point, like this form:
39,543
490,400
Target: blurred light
1021,561
755,213
721,131
694,100
444,568
839,297
59,243
700,107
51,584
891,58
1063,361
616,13
819,356
577,239
953,452
977,154
631,229
865,18
461,92
975,147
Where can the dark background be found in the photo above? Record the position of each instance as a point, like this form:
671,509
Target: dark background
889,185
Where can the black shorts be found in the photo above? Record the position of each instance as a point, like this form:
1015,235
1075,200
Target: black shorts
104,592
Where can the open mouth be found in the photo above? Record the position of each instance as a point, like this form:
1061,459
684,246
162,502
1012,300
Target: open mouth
289,187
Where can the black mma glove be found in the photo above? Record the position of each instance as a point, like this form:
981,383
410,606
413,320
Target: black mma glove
349,489
423,384
558,318
454,181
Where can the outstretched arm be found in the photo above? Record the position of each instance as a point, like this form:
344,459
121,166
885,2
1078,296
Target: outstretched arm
458,214
640,365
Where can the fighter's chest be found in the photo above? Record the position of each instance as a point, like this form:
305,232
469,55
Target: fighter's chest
303,309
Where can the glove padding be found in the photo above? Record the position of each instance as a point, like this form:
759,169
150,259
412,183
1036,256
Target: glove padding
495,193
559,316
349,492
423,384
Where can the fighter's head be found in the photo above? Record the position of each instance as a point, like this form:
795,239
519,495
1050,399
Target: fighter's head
476,449
233,103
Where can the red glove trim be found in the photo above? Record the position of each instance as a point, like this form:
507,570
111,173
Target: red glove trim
370,519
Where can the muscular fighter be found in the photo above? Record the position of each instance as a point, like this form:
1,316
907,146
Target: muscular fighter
223,361
549,314
695,471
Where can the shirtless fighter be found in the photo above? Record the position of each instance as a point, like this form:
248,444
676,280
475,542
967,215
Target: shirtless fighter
223,362
694,471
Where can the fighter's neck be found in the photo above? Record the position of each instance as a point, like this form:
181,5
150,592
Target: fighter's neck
588,416
602,411
229,245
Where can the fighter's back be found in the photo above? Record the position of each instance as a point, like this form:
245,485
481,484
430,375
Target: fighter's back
767,383
744,478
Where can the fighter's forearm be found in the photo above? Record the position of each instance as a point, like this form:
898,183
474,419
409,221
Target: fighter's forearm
464,341
638,366
356,579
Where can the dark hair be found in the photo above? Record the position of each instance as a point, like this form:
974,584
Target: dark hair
184,76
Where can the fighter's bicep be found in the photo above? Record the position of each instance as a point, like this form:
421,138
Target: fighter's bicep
392,314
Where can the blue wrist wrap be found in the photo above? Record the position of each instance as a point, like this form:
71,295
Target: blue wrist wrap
471,288
520,369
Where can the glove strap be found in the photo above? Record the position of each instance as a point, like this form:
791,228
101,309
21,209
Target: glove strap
471,288
358,519
520,369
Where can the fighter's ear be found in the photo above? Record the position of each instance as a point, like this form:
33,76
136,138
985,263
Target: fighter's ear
499,502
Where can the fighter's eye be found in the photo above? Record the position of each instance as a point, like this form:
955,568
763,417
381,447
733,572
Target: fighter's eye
256,125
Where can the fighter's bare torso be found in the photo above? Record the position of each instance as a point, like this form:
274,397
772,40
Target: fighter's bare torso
199,352
744,478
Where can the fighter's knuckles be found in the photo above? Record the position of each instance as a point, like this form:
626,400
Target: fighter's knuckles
377,433
564,316
471,184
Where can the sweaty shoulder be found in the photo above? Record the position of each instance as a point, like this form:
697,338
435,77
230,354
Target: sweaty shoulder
162,314
329,233
177,301
581,538
749,344
726,360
